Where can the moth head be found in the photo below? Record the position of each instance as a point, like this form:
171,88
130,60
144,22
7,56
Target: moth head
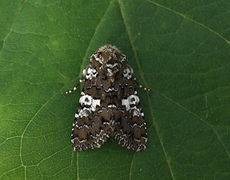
108,61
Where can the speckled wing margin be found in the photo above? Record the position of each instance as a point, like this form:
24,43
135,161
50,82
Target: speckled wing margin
109,105
130,128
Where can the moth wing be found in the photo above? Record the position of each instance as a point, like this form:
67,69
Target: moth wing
89,130
130,127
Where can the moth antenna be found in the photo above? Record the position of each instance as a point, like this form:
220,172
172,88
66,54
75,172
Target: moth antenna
140,86
74,88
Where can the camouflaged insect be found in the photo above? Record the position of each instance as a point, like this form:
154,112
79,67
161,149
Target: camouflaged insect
109,105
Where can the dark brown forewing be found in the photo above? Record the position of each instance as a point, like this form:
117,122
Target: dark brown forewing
130,130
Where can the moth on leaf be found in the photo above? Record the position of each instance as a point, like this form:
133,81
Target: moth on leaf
109,105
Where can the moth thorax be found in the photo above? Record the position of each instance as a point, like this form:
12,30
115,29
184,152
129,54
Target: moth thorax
111,69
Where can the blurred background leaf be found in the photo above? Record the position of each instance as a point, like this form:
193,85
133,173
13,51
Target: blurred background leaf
179,49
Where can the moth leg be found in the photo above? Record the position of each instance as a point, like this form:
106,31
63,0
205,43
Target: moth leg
140,86
80,81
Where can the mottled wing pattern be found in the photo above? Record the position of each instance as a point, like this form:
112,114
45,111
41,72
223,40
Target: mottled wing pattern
130,130
88,129
109,105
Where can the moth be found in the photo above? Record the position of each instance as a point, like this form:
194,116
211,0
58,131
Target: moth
109,105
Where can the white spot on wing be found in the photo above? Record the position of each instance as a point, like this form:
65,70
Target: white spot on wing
131,100
86,100
95,103
128,72
91,72
125,102
83,112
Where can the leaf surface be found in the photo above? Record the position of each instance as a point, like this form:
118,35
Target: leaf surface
179,49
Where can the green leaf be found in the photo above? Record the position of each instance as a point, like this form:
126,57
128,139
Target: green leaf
179,49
